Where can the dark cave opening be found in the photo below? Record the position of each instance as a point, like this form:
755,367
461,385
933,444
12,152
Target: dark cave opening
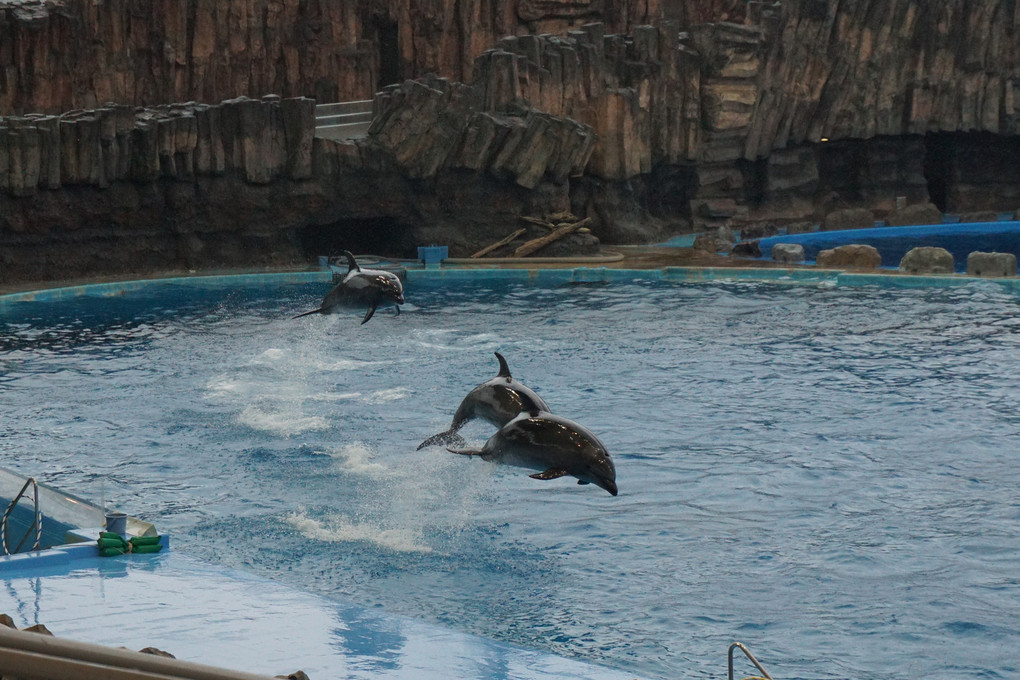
388,41
840,168
384,236
938,167
755,177
668,190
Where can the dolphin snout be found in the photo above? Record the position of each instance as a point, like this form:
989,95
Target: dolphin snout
608,484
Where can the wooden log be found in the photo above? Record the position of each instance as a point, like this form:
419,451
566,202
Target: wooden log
498,244
539,222
542,241
565,216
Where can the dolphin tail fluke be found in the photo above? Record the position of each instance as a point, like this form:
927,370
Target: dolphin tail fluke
465,452
314,311
450,437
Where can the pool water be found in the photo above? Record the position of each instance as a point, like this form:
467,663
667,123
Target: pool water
828,476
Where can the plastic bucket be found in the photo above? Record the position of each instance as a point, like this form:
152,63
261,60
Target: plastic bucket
116,522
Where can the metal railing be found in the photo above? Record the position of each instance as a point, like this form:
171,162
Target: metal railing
750,656
36,522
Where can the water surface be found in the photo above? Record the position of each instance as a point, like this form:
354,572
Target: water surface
828,476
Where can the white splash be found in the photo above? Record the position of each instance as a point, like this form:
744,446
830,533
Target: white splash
357,458
269,356
384,396
346,364
223,386
341,530
283,423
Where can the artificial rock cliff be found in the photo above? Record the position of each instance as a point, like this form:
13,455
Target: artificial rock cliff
59,55
650,117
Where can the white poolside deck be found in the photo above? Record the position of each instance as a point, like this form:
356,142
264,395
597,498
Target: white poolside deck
234,620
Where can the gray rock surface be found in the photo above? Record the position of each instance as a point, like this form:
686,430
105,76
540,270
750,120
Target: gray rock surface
852,256
927,260
991,264
791,253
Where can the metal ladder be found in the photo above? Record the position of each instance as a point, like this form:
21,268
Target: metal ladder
36,523
761,669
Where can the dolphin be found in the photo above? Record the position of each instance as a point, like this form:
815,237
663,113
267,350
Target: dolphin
497,401
556,446
361,287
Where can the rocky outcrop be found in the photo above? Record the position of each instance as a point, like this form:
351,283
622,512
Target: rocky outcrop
791,253
434,126
849,218
852,256
991,264
117,190
261,140
921,213
59,55
927,260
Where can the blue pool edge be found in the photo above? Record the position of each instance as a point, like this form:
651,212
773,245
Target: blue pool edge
554,276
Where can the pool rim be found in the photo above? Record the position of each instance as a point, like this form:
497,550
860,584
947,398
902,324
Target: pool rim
790,276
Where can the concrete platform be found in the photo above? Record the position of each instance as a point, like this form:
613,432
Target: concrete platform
211,615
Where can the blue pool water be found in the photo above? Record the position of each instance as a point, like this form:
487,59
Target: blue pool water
827,475
892,243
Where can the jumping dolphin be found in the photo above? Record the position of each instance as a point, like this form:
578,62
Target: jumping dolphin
497,401
361,287
539,440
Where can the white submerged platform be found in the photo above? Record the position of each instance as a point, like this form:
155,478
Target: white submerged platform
234,620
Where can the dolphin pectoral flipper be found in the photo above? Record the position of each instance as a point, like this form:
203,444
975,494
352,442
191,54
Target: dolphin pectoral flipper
551,473
465,452
370,312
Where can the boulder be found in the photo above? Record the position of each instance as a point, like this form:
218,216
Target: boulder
980,216
756,231
853,256
848,218
747,249
991,264
710,243
800,227
919,213
788,252
724,233
927,260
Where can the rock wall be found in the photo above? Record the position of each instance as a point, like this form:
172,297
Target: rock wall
59,55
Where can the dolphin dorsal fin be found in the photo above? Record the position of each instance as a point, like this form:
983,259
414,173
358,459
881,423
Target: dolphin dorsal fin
352,264
528,404
504,369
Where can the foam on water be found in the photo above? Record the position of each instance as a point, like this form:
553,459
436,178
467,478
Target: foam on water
281,419
341,529
358,459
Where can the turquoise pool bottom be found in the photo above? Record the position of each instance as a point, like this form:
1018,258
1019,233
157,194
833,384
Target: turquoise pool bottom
806,276
232,619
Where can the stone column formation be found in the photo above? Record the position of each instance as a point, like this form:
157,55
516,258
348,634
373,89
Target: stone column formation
260,140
